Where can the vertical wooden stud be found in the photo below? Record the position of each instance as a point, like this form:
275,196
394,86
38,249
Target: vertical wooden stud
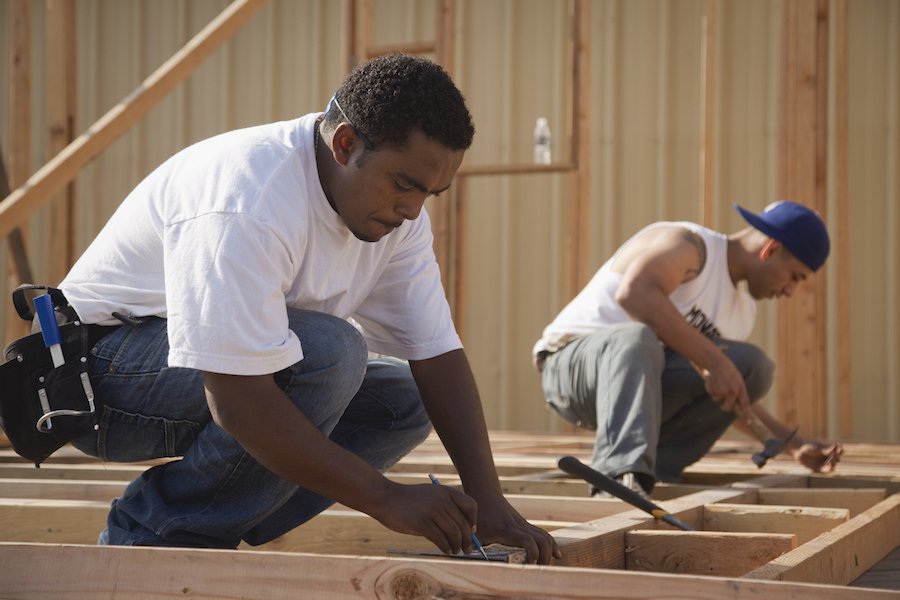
575,249
60,112
842,235
802,392
441,210
708,112
19,130
349,46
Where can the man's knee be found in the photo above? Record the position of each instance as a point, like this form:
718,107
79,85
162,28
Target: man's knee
757,368
332,368
329,343
637,341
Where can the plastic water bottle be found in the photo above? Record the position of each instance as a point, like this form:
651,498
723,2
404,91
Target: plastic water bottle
542,142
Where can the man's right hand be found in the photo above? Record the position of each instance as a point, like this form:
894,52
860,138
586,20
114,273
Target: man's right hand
725,384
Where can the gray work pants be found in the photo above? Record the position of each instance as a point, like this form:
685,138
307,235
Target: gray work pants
649,407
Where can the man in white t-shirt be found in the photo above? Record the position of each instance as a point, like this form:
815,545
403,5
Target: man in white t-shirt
651,354
233,299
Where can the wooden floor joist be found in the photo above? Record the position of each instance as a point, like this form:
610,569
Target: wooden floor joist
779,531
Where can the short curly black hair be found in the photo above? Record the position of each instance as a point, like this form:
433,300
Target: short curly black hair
388,97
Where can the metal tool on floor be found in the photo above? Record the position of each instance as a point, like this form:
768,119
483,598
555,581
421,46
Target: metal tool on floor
573,466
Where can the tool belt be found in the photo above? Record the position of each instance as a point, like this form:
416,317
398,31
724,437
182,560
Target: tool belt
44,407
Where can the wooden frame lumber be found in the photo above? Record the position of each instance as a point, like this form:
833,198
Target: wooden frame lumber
844,553
35,571
703,553
775,526
854,500
802,521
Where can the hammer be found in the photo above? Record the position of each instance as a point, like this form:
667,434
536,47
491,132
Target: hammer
772,446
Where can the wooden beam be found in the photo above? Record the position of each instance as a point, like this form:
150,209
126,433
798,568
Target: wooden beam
54,521
349,18
842,233
62,489
36,571
334,531
440,209
703,553
59,106
599,544
15,242
581,139
87,471
20,146
708,29
532,507
803,521
844,553
802,161
854,500
516,169
63,168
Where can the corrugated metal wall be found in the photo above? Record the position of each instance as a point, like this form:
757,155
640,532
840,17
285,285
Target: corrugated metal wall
512,64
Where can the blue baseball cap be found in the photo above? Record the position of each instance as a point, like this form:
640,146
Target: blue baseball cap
799,228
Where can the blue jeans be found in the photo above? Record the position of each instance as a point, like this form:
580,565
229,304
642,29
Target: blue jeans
217,494
648,406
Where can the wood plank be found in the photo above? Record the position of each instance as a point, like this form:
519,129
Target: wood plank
61,489
532,507
341,531
36,572
703,553
19,46
600,543
15,242
854,500
105,471
844,553
842,330
52,521
59,107
804,522
335,531
802,177
891,485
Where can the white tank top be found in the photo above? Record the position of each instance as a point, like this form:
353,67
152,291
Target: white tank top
711,302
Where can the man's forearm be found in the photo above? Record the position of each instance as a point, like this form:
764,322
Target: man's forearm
451,398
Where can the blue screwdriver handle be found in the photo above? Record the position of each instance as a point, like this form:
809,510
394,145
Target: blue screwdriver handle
43,307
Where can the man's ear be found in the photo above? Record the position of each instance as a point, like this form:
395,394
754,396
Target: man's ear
342,143
769,249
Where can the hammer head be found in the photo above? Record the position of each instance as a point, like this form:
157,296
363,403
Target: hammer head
772,448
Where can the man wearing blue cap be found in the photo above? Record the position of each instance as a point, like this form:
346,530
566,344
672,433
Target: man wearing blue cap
652,353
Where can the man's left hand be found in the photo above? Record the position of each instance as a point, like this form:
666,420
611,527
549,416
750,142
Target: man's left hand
499,522
818,456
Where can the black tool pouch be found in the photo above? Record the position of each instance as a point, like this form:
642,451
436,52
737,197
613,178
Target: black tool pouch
44,407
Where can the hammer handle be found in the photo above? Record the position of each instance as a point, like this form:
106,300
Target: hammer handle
760,431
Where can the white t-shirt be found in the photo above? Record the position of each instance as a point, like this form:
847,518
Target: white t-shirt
226,234
710,302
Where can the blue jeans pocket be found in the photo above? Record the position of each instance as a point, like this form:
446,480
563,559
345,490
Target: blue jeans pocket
128,437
